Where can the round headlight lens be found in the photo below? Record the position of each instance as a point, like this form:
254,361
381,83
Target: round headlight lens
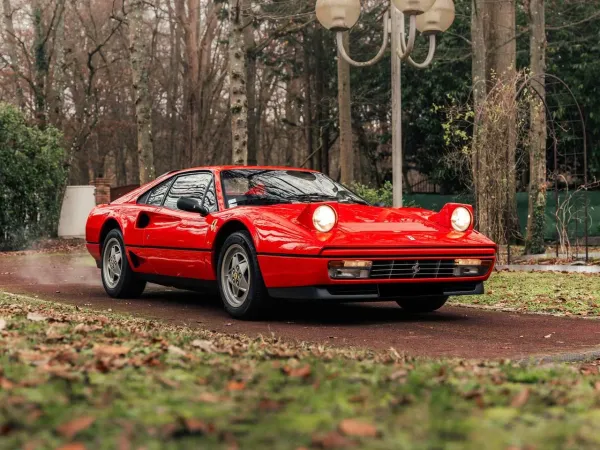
461,219
324,218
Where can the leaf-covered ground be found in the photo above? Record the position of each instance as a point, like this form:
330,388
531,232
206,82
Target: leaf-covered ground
541,292
75,379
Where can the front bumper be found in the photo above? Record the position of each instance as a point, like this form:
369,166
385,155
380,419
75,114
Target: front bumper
376,292
290,271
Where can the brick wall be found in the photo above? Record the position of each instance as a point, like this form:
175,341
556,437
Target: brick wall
102,191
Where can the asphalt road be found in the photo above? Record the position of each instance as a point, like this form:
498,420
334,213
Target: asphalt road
451,332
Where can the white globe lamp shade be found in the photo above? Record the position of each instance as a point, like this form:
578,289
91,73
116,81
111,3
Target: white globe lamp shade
338,15
413,7
438,19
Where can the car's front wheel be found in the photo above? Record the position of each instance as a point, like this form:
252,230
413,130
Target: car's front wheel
118,278
241,284
422,305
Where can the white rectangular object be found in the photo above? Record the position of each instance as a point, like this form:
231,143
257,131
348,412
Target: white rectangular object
76,207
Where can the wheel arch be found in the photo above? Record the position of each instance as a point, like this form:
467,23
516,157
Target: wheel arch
110,224
226,230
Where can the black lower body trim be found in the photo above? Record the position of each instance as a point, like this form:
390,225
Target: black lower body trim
186,284
376,292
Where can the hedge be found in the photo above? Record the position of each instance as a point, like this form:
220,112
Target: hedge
32,180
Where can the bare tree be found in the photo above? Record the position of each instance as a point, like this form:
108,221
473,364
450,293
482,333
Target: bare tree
11,42
238,96
139,49
536,222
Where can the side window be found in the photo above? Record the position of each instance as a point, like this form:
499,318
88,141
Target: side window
192,186
156,196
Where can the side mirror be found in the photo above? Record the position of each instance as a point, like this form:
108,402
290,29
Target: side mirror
192,205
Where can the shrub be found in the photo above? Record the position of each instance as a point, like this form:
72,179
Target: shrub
32,180
383,195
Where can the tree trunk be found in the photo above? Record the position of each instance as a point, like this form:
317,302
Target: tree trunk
238,96
59,72
253,120
308,109
344,100
495,132
140,70
536,221
11,42
173,95
479,74
503,63
41,64
322,136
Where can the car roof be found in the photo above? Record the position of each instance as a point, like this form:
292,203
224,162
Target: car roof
223,168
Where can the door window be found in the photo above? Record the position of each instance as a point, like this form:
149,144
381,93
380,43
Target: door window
196,186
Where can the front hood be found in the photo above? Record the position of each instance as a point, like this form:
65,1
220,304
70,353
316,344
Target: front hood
388,227
362,226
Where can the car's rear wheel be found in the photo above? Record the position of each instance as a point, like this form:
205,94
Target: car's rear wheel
241,284
422,305
119,280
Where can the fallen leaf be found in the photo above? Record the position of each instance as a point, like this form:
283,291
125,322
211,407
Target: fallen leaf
520,399
196,426
35,317
2,324
70,429
398,374
269,405
72,446
298,372
208,397
205,346
589,370
110,350
352,427
236,386
174,350
6,384
331,440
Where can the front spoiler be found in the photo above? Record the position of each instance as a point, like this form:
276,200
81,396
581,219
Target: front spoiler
377,292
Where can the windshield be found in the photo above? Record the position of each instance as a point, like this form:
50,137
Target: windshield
270,187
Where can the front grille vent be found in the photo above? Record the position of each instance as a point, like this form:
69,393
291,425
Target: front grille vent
412,269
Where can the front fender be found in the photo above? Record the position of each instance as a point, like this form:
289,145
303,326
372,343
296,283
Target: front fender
271,233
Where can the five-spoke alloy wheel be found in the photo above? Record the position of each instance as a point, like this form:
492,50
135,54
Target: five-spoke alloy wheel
118,278
112,263
241,284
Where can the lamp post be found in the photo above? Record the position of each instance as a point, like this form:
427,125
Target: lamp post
429,17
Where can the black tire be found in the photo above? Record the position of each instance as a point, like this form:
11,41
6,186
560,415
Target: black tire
422,305
127,284
251,303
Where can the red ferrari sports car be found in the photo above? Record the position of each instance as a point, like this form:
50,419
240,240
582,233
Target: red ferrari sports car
265,233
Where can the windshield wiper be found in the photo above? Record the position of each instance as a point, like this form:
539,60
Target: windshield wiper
325,198
265,201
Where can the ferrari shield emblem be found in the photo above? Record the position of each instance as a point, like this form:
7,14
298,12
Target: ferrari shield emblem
213,226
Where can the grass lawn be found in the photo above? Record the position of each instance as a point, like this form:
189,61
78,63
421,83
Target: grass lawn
554,293
75,379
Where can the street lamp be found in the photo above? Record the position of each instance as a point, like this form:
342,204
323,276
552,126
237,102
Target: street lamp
429,17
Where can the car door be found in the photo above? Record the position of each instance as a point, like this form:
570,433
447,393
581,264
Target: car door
136,218
176,239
